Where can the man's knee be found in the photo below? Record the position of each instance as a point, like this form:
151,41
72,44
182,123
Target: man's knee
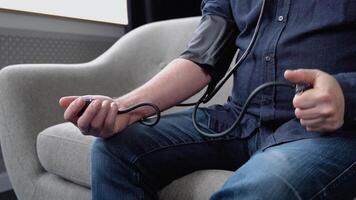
98,149
101,155
110,157
265,177
124,146
257,185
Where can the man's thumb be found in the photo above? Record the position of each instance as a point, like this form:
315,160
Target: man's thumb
307,76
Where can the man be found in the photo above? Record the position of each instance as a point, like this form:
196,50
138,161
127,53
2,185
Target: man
303,148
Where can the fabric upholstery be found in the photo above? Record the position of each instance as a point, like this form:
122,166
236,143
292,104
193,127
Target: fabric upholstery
29,97
64,151
199,185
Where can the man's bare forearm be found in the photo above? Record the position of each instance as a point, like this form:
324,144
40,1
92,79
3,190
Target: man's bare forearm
178,81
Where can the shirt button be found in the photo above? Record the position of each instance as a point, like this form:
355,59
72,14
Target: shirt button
268,58
280,18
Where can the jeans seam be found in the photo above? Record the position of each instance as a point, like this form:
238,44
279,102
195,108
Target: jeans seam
290,186
332,181
133,161
138,180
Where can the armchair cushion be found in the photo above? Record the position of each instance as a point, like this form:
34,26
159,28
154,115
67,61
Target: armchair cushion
65,152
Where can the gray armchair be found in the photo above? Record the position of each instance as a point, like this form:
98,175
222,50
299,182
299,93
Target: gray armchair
48,159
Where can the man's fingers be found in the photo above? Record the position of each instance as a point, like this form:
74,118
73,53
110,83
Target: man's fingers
318,127
73,109
84,121
64,102
306,100
321,124
302,75
99,119
307,114
109,124
312,122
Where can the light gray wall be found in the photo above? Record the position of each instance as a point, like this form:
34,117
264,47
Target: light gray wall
31,38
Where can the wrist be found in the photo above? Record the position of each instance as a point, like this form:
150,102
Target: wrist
134,115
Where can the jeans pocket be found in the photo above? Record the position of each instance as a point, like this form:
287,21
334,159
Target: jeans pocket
221,119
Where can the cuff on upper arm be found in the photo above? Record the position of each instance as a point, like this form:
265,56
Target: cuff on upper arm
212,46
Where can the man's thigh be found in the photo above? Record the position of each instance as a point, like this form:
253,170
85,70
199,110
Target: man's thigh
318,168
172,148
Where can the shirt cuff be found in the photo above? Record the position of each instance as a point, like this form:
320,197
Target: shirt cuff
347,82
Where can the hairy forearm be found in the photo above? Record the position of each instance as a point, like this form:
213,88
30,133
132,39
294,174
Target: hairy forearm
175,83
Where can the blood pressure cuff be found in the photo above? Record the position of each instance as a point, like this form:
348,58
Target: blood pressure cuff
212,46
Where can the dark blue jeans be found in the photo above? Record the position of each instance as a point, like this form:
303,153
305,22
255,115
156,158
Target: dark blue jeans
141,160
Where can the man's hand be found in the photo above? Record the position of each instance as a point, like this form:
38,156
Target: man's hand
100,119
321,108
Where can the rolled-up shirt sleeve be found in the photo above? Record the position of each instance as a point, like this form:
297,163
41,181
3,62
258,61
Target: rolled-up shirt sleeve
347,82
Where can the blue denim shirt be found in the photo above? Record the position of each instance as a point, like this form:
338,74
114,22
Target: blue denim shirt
294,34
